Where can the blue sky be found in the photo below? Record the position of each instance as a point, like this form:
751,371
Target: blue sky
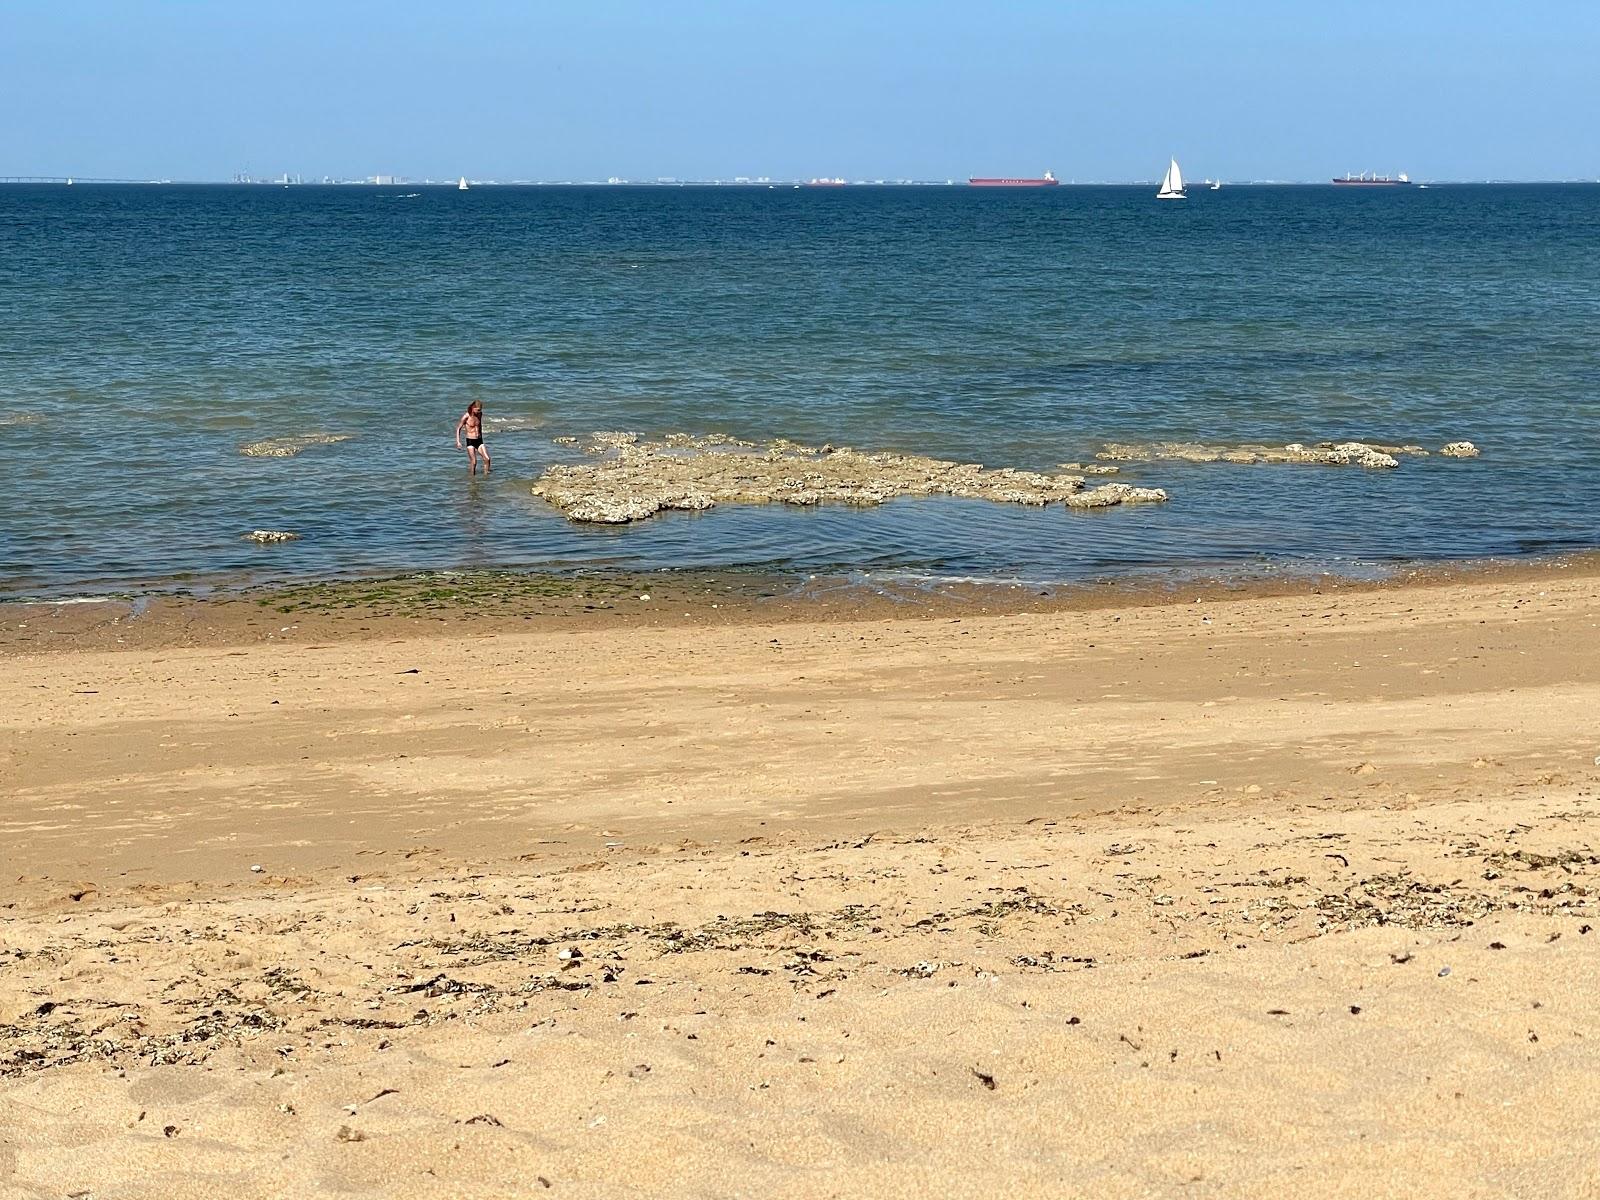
586,88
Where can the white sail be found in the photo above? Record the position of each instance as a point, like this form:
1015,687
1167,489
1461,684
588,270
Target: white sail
462,186
1172,184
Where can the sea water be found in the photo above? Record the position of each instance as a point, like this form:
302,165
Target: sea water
148,333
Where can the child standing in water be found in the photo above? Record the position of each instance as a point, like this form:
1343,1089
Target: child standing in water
471,424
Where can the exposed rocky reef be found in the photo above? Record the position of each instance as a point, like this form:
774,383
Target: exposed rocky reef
268,537
639,478
1109,494
1372,455
288,447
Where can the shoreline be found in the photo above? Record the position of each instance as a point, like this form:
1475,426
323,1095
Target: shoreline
313,706
504,600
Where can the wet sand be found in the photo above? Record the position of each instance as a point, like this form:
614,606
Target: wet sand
1227,898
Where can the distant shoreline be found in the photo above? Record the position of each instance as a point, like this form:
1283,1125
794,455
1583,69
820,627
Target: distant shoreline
751,185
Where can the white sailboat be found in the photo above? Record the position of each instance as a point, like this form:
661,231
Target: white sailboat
1172,186
462,186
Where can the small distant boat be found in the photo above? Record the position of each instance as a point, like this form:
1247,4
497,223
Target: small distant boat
1172,186
1048,179
462,186
69,180
1216,186
836,181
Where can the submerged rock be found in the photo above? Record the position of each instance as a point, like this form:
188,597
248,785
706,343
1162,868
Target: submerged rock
1108,494
268,537
1460,450
1344,454
288,447
612,439
689,441
1334,454
640,479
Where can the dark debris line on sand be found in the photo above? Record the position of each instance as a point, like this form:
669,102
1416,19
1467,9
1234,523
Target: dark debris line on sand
511,946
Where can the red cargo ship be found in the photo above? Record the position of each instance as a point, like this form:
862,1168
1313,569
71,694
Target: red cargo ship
1048,180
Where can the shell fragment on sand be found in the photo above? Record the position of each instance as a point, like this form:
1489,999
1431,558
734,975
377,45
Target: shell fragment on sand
638,479
288,447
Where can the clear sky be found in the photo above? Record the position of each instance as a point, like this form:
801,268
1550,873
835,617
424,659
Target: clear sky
558,89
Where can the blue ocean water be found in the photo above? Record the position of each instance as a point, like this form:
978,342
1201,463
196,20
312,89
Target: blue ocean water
146,333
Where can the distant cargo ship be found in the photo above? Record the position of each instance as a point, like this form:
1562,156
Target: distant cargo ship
1365,180
1047,180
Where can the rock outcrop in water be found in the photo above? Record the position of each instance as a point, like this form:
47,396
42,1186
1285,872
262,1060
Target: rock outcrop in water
1371,455
1109,494
1460,450
288,447
641,478
271,537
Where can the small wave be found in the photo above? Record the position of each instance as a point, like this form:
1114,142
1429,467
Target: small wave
513,424
941,579
288,447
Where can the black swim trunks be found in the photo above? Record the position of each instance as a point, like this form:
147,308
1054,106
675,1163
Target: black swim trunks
475,442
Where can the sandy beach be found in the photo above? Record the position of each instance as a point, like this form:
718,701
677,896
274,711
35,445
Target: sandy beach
1201,894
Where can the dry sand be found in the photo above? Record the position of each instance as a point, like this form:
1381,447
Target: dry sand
1248,897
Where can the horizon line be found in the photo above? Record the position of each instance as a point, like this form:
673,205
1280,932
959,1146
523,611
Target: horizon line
20,179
